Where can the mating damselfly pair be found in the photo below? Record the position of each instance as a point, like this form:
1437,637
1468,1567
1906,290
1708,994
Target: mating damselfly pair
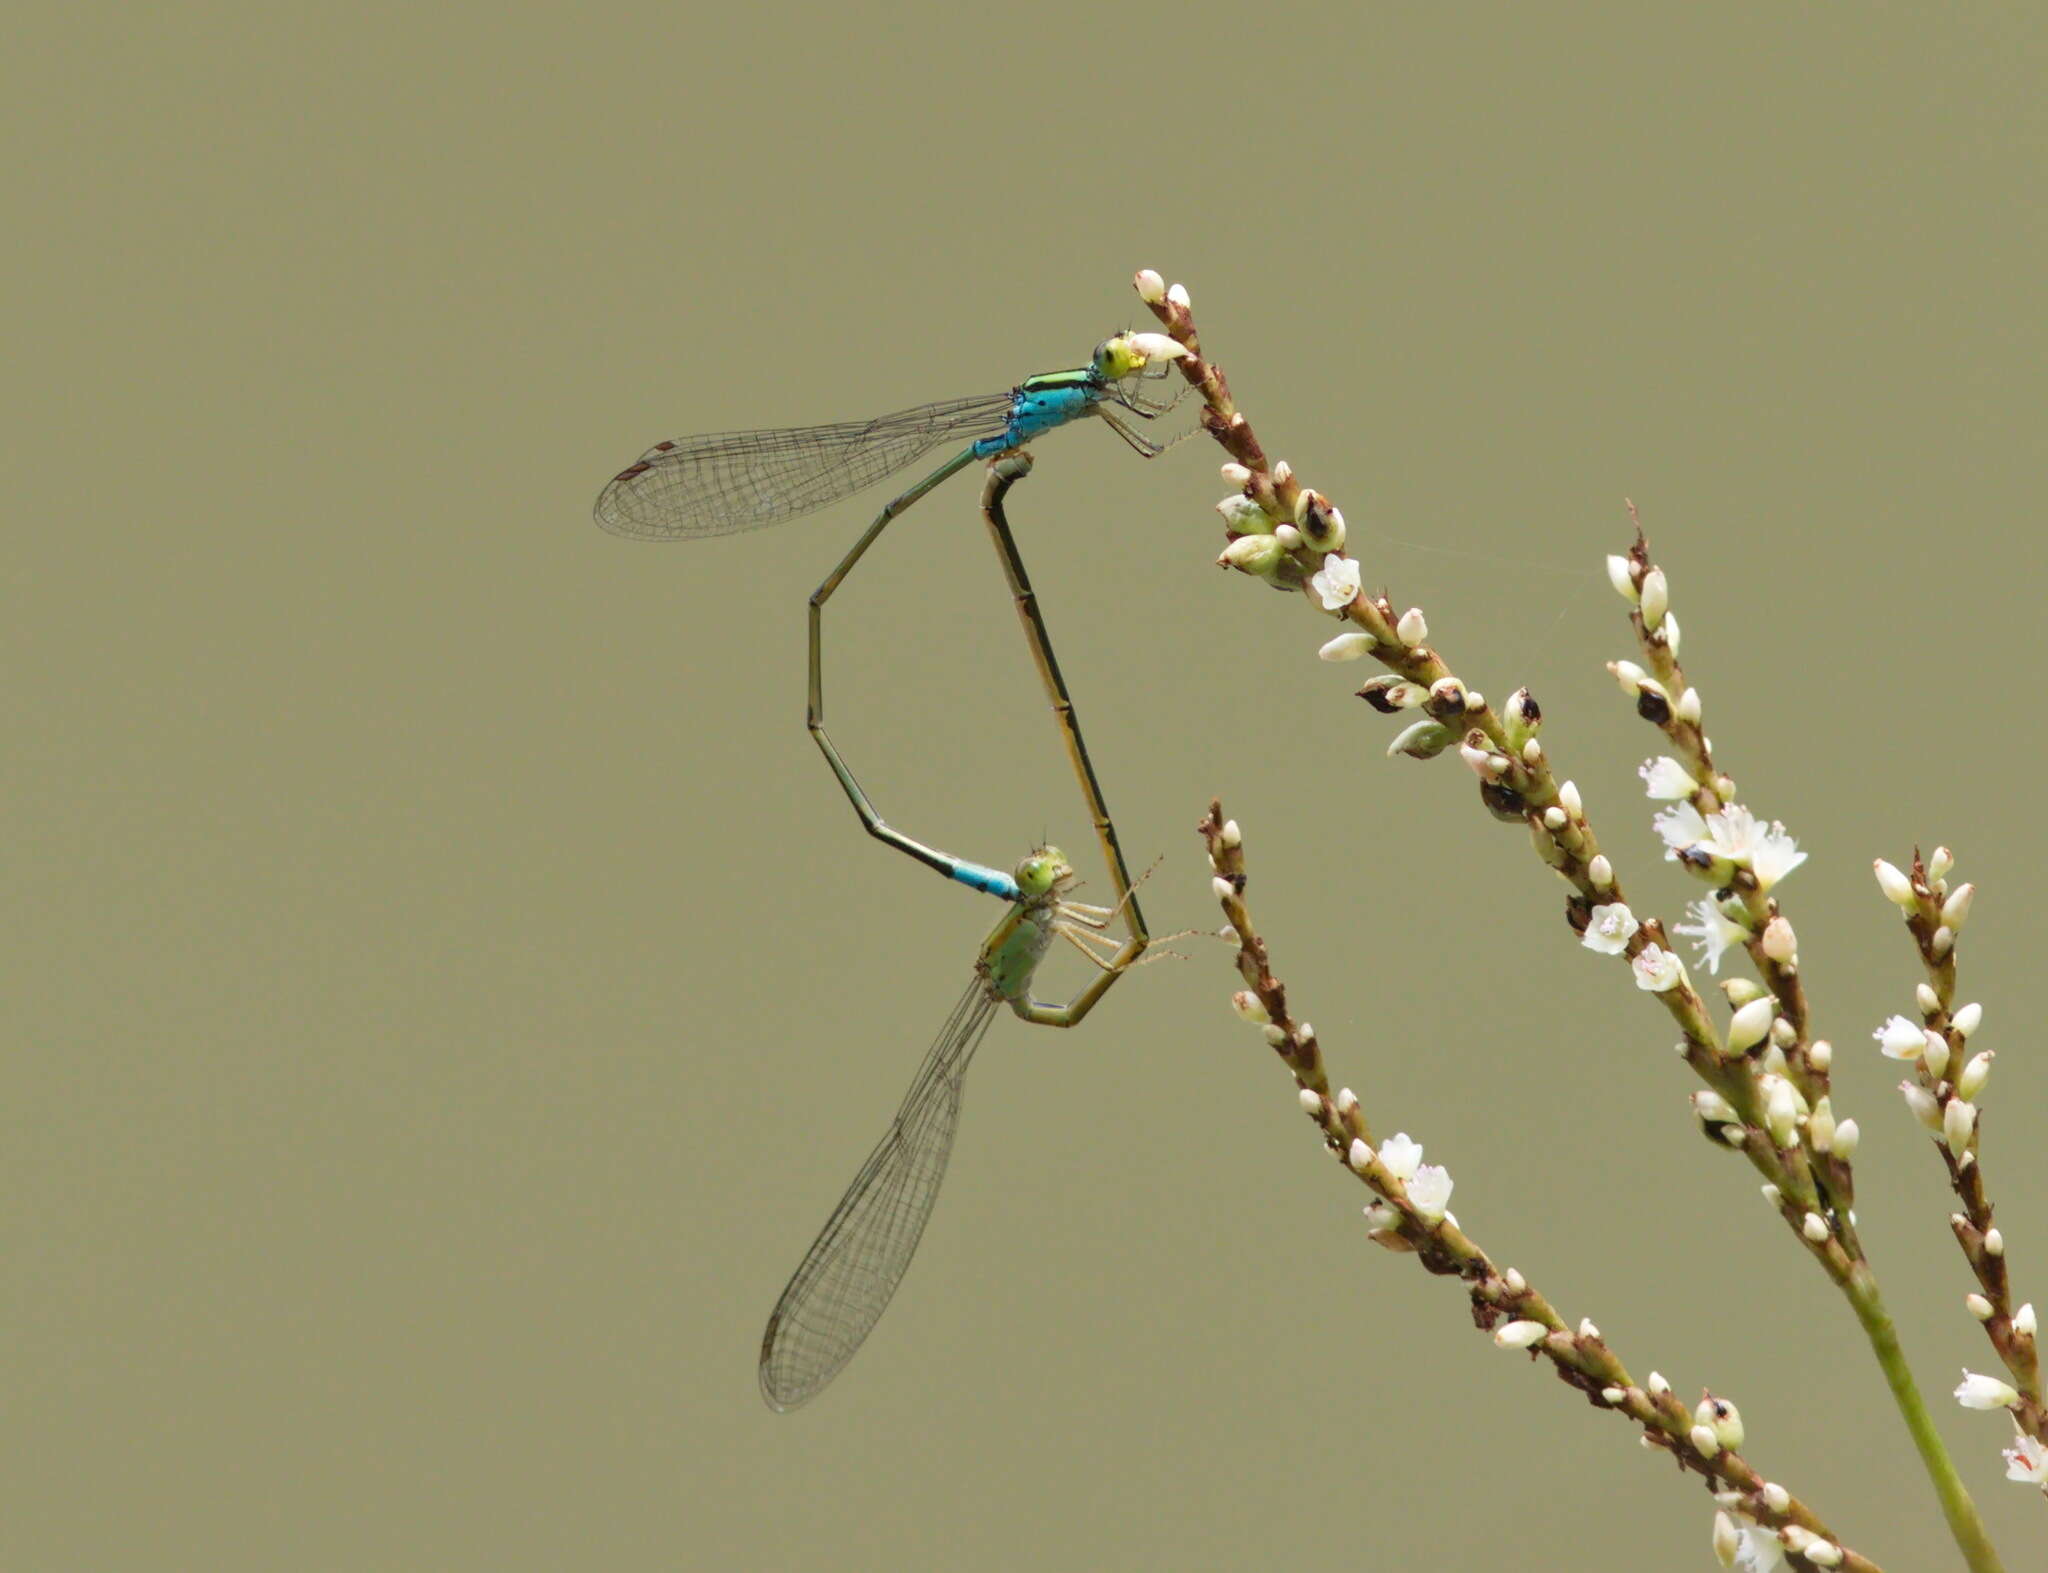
725,482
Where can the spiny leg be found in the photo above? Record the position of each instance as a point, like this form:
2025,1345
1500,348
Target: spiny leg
1144,447
1085,942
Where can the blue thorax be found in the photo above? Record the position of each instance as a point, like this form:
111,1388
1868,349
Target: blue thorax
1042,404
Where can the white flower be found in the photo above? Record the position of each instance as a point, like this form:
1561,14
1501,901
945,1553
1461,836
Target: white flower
1429,1190
1746,841
1759,1551
1336,582
1985,1392
1382,1217
2027,1461
1680,825
1714,932
1665,779
1657,969
1901,1039
1401,1156
1610,929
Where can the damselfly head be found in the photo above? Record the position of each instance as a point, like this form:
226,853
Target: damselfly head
1129,353
1116,358
1044,871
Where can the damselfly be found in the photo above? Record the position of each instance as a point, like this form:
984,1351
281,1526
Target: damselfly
852,1269
724,482
859,1257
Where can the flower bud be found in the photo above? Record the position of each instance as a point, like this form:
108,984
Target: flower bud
1243,516
1413,628
1985,1392
1423,740
1150,286
1814,1227
1655,599
1978,1306
1747,1027
1975,1074
1390,695
1568,800
1741,991
1820,1054
1968,1019
1321,523
1177,294
1897,888
1711,1107
1704,1442
1347,647
1727,1540
1520,1335
1780,943
1955,911
1935,1055
1524,716
1687,709
1621,574
2023,1320
1236,474
1722,1418
1925,997
1958,1124
1446,698
1257,555
1249,1006
1921,1102
1820,1126
1847,1134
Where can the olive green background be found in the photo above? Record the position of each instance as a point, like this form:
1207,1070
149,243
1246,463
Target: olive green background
445,991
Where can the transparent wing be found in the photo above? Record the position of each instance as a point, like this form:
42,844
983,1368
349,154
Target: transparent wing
853,1267
724,482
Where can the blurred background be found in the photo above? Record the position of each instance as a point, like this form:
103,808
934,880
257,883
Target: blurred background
446,992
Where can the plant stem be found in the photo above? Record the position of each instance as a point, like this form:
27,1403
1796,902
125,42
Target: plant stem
1956,1506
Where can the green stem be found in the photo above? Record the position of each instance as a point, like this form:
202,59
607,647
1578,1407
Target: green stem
1956,1505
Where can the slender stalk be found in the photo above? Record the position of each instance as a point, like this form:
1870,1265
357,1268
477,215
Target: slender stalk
1956,1506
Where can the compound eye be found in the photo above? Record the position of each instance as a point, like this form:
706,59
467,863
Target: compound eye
1039,872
